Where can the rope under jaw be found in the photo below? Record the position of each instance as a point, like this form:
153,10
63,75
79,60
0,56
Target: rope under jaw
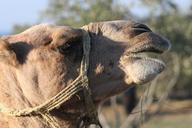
79,84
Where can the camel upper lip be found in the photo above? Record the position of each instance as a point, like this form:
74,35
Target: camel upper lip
154,43
145,48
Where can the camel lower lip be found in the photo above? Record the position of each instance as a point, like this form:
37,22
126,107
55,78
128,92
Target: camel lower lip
148,56
143,69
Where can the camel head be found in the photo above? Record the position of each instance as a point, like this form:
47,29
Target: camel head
39,62
118,56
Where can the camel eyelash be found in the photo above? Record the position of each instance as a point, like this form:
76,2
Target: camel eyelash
63,48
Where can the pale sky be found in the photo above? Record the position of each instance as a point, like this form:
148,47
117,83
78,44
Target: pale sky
28,11
19,11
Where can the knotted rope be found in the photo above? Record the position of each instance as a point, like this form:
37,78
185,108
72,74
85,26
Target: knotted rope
79,84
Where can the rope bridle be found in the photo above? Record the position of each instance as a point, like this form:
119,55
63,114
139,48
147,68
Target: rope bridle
79,84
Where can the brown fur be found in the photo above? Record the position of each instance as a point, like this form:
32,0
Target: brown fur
38,63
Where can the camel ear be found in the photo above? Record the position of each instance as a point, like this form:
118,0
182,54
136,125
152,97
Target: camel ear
7,55
3,45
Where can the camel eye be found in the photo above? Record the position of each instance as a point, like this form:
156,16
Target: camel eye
64,48
70,46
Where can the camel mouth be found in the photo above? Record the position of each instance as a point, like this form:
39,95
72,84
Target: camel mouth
148,52
150,48
144,64
142,59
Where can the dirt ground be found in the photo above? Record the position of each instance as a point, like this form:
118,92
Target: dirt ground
174,114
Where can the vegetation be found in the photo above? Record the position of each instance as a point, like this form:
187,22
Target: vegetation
176,25
80,12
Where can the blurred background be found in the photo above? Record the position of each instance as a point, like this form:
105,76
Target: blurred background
165,102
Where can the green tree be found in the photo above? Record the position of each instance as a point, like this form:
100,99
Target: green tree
80,12
171,22
19,28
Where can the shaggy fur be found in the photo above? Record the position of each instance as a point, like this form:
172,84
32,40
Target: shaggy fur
38,63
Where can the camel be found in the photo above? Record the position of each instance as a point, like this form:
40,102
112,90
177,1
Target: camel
43,60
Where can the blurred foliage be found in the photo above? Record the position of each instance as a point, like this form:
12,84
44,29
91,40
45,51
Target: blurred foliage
80,12
177,27
19,28
165,17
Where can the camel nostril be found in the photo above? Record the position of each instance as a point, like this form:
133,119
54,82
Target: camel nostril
141,27
138,29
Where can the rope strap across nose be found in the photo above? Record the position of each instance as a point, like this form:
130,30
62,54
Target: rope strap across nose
79,84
